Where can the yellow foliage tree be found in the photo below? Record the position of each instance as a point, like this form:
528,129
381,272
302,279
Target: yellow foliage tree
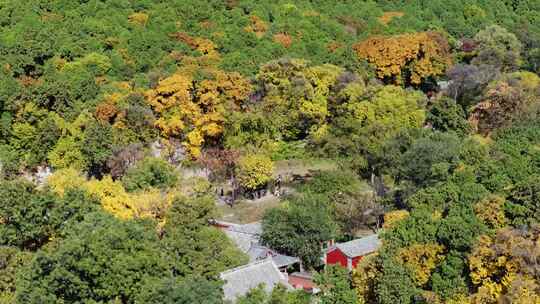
152,203
65,179
67,151
195,111
418,56
421,259
297,95
385,112
113,197
364,279
254,171
504,267
138,18
491,211
393,217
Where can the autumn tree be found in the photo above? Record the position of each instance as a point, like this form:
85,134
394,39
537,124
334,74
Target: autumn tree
503,268
295,95
254,171
392,218
421,259
64,179
490,211
68,150
220,163
408,58
468,81
505,100
195,111
124,158
364,278
12,260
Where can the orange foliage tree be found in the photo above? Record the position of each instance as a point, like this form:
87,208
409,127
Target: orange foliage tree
407,58
257,26
284,39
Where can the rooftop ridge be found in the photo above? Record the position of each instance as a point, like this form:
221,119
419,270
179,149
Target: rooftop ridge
266,260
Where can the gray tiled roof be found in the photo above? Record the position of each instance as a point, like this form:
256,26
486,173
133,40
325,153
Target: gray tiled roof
247,239
257,252
360,247
251,228
240,280
244,236
243,241
284,260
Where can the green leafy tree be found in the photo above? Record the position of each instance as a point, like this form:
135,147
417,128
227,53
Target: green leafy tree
431,158
448,280
300,227
12,260
335,286
96,146
395,284
181,291
376,116
523,205
498,47
30,218
354,205
9,162
446,115
193,246
460,229
101,259
67,153
150,172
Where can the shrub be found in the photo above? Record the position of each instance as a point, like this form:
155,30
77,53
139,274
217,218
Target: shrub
151,172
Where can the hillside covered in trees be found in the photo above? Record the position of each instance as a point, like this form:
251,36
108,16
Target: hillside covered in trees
129,128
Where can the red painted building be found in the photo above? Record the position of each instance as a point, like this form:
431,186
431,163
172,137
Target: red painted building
350,253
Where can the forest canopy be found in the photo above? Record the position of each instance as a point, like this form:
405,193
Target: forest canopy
127,128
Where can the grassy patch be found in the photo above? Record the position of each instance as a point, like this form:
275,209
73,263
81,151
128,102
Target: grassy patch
247,211
291,167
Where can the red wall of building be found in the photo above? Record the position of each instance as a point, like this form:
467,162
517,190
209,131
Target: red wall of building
336,257
355,261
